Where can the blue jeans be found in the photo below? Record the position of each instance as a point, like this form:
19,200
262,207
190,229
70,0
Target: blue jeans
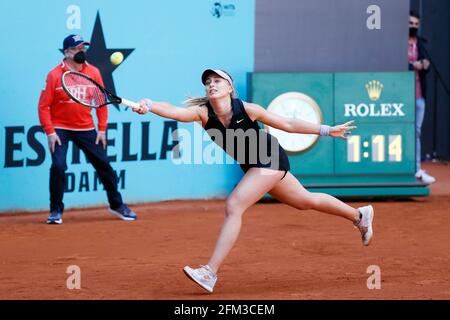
420,113
85,140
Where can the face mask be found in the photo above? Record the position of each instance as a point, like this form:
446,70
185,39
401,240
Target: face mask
79,57
413,32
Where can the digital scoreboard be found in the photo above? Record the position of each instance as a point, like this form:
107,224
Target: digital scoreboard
377,159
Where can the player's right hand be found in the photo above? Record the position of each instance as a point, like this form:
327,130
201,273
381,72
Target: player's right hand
52,140
143,108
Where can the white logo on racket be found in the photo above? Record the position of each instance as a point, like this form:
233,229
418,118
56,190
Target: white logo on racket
82,93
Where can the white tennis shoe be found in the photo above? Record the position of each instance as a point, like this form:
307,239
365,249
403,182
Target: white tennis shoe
204,276
365,224
425,177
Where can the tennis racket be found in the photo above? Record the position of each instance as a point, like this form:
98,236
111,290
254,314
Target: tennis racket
89,93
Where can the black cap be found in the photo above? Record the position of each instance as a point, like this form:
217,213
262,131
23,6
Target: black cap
73,40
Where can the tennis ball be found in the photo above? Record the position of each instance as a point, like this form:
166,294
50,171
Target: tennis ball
116,58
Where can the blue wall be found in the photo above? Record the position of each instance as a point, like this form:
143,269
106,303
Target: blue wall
168,44
173,42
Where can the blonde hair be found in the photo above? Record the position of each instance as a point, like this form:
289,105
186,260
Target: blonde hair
201,101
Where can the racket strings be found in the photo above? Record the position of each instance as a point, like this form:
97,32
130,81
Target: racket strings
84,90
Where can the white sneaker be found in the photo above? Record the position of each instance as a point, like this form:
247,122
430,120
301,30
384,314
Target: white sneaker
426,178
203,276
365,224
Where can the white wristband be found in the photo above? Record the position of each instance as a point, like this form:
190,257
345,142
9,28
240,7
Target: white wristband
325,130
148,104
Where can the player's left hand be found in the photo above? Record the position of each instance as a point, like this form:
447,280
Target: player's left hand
101,136
340,131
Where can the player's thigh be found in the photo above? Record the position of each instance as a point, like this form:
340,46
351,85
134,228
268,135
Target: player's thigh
291,192
252,187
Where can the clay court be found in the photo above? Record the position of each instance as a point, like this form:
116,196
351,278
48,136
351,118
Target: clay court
282,253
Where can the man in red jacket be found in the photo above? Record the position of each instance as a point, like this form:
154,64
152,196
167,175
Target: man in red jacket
64,120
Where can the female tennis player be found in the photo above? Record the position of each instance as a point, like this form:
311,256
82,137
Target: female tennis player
220,111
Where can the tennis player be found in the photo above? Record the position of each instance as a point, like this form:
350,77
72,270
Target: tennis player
221,111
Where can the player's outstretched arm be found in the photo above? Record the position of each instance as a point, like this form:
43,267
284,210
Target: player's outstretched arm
292,125
169,111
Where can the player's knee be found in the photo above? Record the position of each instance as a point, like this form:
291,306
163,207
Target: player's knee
311,201
232,207
304,205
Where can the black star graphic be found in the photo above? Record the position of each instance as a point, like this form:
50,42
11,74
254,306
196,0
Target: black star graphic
99,56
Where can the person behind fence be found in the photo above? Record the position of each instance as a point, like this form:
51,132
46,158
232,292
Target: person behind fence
418,63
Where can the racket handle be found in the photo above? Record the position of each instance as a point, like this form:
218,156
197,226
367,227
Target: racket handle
131,104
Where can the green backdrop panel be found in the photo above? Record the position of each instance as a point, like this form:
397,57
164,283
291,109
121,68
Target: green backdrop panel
264,87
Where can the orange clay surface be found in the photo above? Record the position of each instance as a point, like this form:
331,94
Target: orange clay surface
281,253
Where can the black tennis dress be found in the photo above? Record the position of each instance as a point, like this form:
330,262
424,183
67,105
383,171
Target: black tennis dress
264,151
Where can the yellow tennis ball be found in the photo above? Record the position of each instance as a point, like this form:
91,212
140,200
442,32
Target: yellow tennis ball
117,58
